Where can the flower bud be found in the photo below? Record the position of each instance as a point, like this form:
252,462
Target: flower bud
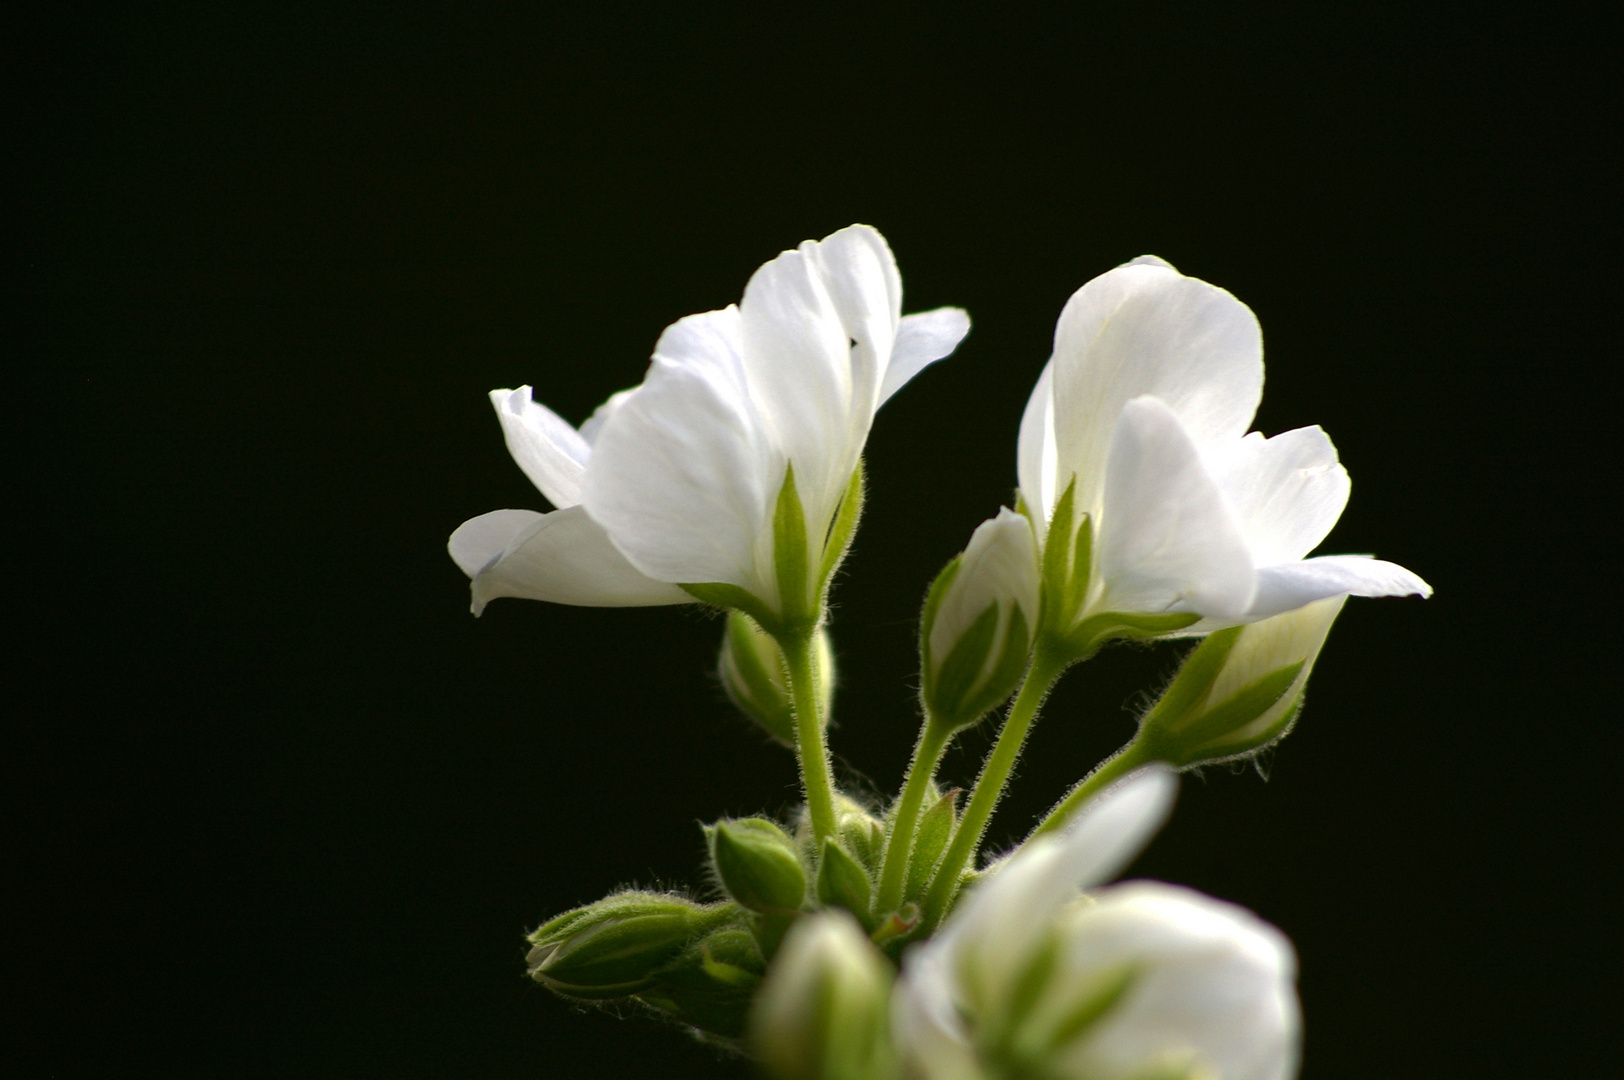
1240,689
978,622
613,947
709,986
758,865
821,1011
752,671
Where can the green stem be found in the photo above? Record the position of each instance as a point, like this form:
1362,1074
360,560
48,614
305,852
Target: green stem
814,756
895,872
1046,668
1127,759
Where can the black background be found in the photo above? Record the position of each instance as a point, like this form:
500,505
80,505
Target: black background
285,809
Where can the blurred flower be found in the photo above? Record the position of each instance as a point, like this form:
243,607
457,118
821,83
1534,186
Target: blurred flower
1141,415
677,481
1031,977
821,1012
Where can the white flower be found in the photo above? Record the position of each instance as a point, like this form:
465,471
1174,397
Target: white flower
1031,977
1144,406
676,481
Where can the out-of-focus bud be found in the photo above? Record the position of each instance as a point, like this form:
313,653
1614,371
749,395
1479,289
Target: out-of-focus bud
752,671
1239,690
758,865
821,1013
613,948
709,985
978,622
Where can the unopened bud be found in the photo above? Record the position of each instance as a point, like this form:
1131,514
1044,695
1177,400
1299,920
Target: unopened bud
612,948
709,985
752,671
1240,689
758,865
978,622
821,1013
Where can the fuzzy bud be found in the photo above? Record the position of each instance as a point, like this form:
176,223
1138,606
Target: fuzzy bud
751,668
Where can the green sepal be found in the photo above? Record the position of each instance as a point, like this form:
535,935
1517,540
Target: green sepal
946,696
842,882
757,865
895,927
844,526
790,558
1059,602
927,620
1195,676
1112,987
615,946
1251,702
1086,638
750,686
721,594
930,840
709,986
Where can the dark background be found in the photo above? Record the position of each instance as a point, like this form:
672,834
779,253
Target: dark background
284,809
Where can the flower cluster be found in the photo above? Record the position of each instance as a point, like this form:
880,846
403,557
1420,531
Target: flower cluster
860,942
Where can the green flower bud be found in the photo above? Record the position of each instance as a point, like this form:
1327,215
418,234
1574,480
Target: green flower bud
979,616
752,671
758,865
1239,690
822,1012
709,986
930,840
613,948
844,882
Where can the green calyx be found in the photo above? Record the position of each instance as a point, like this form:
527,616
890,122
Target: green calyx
758,865
709,985
981,668
1186,728
844,882
613,948
752,671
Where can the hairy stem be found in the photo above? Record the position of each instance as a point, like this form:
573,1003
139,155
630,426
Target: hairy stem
810,748
1046,668
895,870
1127,759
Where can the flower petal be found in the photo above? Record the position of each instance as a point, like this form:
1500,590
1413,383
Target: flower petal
1290,586
992,931
1036,453
600,416
922,339
1167,541
682,475
566,557
551,453
479,541
1141,329
1213,987
1286,492
926,1024
818,324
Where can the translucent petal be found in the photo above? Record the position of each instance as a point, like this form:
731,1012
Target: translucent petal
551,453
922,339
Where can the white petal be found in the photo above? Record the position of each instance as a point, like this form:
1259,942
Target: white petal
1036,457
478,541
818,324
998,923
682,476
565,557
1287,587
1166,540
1286,492
551,453
1116,825
925,1022
922,339
595,422
1214,988
1145,328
